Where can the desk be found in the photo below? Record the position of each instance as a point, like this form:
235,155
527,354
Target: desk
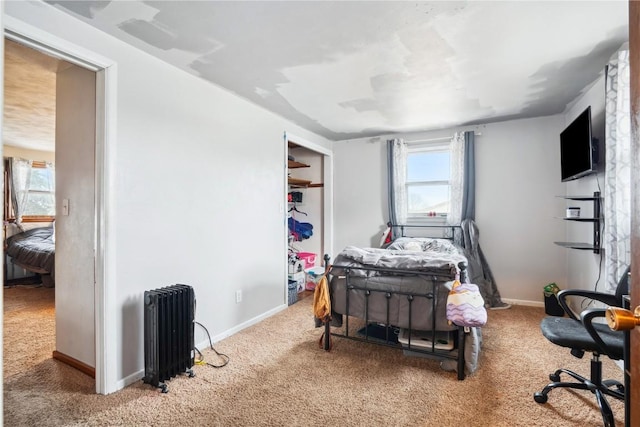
626,303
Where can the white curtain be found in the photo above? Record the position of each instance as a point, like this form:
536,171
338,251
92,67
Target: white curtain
456,179
617,190
398,192
20,177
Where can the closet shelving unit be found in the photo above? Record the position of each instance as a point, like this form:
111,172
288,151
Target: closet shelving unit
596,219
297,182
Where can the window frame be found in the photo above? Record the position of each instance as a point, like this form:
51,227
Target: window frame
433,147
9,213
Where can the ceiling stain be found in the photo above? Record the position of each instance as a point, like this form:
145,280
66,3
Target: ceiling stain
556,81
88,9
347,69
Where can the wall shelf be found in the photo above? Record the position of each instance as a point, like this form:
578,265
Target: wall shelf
596,220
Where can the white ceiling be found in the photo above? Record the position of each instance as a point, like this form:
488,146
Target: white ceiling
348,69
29,113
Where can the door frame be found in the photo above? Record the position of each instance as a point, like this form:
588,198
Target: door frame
105,177
327,179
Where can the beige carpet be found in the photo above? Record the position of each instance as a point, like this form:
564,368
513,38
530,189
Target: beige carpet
279,377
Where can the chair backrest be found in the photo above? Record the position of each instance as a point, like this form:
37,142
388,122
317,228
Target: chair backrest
623,286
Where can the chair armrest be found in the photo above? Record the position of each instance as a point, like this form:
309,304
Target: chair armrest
608,299
587,317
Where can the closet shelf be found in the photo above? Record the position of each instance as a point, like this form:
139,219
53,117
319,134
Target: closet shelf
292,164
297,182
302,183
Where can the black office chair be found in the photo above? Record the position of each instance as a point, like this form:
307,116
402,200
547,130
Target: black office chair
582,334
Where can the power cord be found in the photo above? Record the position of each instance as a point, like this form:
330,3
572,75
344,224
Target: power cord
222,356
595,287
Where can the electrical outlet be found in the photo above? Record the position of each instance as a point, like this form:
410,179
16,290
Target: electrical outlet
238,296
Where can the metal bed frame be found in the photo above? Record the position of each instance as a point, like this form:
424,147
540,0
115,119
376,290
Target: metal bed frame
456,354
449,231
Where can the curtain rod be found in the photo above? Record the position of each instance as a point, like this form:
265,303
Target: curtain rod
442,138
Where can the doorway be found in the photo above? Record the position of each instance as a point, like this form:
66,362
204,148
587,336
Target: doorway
309,196
50,118
29,133
89,331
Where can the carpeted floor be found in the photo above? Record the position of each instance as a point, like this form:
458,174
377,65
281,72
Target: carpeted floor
278,376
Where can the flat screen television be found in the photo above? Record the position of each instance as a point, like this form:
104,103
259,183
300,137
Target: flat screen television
577,148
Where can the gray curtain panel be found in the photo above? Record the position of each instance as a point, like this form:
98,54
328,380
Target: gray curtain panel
393,218
469,180
481,273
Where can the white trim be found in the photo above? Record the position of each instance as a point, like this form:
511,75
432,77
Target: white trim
130,379
35,38
203,345
105,296
219,337
442,138
104,301
523,302
306,144
429,147
327,237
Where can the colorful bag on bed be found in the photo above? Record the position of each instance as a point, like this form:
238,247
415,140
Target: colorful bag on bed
465,306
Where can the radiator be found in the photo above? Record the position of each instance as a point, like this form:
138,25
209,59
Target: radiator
168,334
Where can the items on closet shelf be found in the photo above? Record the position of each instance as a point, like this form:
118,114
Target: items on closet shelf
296,272
299,230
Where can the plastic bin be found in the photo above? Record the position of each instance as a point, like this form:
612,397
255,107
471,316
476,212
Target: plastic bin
293,292
314,274
300,280
308,258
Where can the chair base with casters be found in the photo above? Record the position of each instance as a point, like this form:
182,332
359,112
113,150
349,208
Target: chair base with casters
595,385
584,335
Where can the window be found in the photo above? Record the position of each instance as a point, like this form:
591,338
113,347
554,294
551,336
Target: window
428,185
40,199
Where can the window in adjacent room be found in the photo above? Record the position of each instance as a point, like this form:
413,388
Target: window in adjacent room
39,200
428,185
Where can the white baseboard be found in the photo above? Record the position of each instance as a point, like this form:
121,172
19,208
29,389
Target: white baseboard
137,376
130,379
238,328
524,302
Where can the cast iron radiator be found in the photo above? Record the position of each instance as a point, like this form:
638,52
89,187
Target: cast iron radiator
168,334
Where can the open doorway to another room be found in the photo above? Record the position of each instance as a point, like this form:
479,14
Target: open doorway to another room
48,147
29,182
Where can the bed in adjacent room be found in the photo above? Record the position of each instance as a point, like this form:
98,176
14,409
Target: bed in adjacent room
34,250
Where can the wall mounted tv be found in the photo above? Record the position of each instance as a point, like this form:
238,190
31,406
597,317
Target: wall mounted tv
578,150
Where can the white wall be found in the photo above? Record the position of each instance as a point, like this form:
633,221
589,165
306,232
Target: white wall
583,265
192,162
360,195
517,181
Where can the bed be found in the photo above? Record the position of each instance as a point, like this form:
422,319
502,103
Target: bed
34,250
397,297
